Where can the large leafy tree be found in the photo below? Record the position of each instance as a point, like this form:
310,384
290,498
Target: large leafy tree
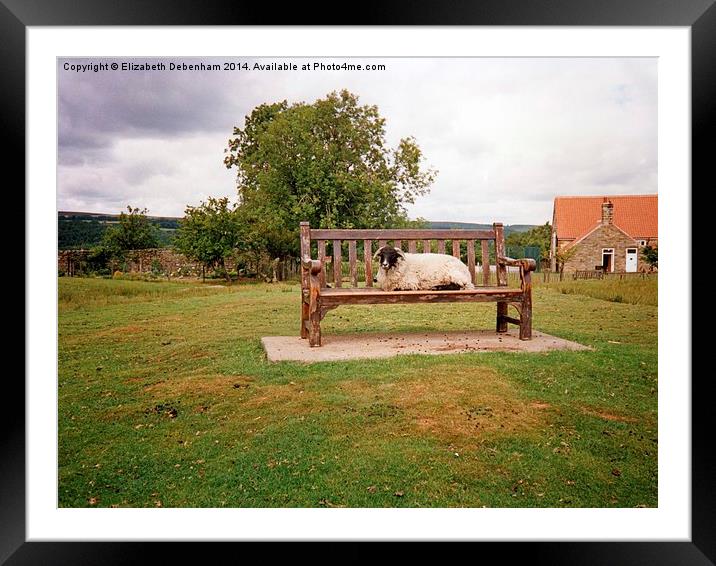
210,233
133,231
538,236
326,162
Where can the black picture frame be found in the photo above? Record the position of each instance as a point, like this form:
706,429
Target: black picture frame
699,15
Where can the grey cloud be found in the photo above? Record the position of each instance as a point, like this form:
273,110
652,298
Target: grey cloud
161,175
624,178
98,112
98,109
137,173
143,103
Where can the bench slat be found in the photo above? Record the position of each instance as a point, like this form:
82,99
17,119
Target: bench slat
322,259
456,248
402,234
441,246
485,262
471,260
398,244
501,268
368,259
352,262
412,247
337,261
426,246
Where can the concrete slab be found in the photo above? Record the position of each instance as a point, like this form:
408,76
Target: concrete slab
366,346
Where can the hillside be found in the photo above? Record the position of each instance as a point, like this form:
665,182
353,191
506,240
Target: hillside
509,228
83,230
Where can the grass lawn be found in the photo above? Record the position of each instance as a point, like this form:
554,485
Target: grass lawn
630,290
166,399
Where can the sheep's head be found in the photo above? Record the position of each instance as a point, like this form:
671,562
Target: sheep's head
388,257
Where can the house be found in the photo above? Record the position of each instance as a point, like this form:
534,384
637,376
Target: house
603,232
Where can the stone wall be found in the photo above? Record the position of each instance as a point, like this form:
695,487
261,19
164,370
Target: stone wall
70,262
588,252
167,261
164,260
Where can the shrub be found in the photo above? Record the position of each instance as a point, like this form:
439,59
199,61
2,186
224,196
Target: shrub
156,267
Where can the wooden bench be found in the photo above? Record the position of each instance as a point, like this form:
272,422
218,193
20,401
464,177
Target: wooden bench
318,297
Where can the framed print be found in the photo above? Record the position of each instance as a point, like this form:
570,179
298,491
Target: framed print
85,457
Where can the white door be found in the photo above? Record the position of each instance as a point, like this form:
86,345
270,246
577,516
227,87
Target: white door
631,260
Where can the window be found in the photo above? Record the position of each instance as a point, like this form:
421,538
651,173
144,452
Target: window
642,242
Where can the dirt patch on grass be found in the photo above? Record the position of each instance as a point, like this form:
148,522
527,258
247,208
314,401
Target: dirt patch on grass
121,331
243,398
199,385
271,404
485,405
454,404
283,396
608,416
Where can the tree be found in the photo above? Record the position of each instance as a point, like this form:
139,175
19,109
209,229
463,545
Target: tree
538,236
328,163
133,231
562,256
264,233
209,233
650,255
98,258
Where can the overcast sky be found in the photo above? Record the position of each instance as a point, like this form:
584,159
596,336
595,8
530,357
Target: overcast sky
506,135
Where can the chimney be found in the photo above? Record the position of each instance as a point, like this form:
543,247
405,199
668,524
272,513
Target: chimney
607,212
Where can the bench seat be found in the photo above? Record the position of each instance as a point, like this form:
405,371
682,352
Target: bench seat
373,295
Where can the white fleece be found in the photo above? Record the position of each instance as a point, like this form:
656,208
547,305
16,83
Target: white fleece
425,271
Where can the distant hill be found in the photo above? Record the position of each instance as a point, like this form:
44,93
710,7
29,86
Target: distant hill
509,228
83,230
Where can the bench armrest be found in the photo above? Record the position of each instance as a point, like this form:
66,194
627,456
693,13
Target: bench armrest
314,266
526,264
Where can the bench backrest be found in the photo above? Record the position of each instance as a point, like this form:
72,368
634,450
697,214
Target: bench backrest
364,243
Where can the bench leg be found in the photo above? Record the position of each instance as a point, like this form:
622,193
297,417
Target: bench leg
314,332
314,311
501,314
526,314
304,319
526,322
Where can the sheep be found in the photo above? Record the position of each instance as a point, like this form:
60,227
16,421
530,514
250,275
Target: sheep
412,272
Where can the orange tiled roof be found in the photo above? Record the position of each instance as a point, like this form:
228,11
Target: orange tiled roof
637,215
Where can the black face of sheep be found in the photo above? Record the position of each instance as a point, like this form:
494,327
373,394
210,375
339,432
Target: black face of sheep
388,257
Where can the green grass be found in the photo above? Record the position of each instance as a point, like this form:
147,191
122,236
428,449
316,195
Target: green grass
634,290
165,398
